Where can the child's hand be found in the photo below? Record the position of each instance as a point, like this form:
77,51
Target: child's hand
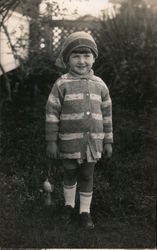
108,150
52,149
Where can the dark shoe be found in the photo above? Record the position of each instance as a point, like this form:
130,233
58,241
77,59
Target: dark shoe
67,215
86,221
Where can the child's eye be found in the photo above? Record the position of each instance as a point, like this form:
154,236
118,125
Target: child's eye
86,55
75,56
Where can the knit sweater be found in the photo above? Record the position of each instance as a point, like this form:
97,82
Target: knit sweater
79,114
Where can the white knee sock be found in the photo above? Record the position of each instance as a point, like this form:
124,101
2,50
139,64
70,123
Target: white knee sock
85,201
69,194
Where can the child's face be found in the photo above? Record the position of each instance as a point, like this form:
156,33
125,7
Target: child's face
81,63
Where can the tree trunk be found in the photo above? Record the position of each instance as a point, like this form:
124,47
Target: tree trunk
7,84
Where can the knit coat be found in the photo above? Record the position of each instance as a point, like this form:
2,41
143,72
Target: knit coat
79,114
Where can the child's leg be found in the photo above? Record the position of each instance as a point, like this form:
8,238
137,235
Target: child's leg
86,186
69,181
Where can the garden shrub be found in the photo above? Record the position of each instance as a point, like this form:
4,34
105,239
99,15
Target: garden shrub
127,62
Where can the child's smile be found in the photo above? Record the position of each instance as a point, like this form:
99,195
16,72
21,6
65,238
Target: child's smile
81,63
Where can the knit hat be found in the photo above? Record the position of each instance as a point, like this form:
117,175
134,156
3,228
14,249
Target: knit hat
73,41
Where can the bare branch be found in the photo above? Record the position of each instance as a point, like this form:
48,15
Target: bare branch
6,6
9,40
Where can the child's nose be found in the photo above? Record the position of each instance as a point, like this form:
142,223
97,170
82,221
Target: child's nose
81,59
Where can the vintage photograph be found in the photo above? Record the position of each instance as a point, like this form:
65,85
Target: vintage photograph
78,124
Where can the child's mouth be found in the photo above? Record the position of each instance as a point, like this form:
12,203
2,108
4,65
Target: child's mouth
81,67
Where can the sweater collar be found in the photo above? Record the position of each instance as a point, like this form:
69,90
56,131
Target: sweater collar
75,75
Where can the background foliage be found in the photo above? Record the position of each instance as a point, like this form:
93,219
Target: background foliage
125,186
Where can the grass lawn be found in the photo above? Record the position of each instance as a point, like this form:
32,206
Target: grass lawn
123,205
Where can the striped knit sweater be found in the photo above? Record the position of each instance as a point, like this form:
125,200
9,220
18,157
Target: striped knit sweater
79,114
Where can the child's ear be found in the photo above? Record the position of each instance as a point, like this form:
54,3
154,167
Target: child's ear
93,58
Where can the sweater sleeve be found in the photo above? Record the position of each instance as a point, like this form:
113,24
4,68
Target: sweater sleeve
107,115
53,110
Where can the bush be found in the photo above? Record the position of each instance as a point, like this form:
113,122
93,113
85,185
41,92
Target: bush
127,63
